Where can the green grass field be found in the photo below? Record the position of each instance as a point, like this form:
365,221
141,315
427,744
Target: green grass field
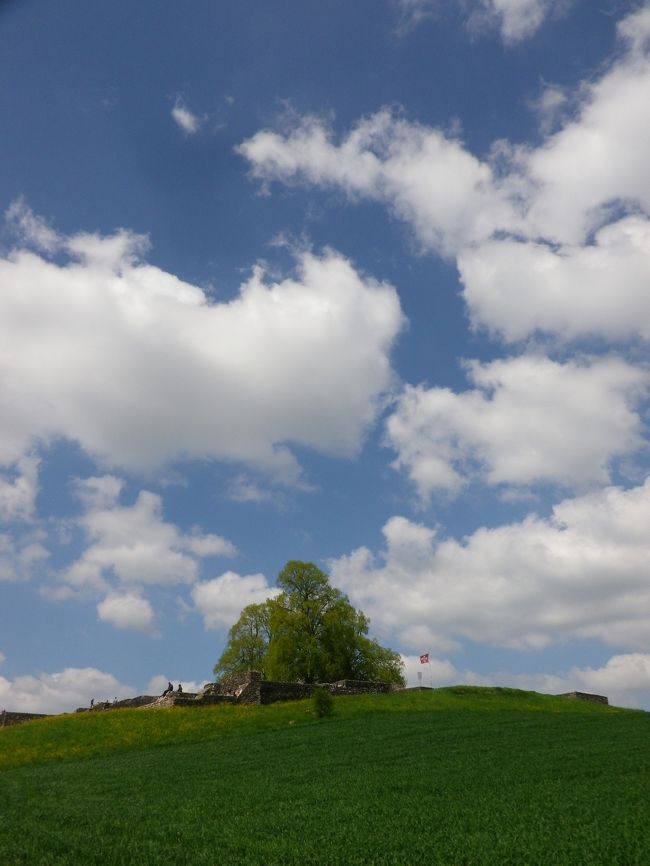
455,776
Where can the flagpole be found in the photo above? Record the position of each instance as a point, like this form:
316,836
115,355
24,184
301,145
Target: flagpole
425,659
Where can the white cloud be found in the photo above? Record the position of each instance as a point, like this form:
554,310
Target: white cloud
127,611
244,489
515,288
221,600
21,553
528,419
551,106
551,238
32,230
208,545
624,679
98,492
596,163
413,12
635,29
590,178
158,684
435,673
141,368
426,177
136,546
189,122
60,692
18,494
515,20
582,573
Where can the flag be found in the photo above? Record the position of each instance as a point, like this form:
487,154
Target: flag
424,659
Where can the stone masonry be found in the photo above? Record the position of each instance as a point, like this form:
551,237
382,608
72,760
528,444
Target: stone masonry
7,718
584,696
249,687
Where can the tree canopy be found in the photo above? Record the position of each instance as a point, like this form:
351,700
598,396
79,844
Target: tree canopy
308,633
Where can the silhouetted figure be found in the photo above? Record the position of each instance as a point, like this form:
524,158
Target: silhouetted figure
168,690
179,690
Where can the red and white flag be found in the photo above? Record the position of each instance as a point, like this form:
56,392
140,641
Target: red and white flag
424,659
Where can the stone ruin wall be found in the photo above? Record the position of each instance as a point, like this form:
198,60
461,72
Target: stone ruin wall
139,701
251,688
7,718
583,696
247,688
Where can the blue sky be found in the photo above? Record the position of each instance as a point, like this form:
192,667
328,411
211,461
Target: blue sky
363,284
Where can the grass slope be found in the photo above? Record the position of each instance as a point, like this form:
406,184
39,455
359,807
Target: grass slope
456,776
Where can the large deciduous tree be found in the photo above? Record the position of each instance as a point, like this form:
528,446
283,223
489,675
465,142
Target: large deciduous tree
309,633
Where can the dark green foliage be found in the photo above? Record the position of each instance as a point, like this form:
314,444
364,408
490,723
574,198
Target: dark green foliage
309,633
461,778
323,703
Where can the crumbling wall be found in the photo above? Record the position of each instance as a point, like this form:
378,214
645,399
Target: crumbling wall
584,696
243,688
248,687
272,692
139,701
8,718
360,687
204,698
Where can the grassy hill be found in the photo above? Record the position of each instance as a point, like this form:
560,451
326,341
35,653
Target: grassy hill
456,776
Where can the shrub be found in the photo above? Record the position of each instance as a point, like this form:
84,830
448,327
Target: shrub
323,703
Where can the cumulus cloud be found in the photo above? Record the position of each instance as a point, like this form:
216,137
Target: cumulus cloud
425,176
528,419
18,493
208,545
60,692
127,610
220,601
596,163
581,573
141,368
189,122
551,238
624,679
136,546
516,288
